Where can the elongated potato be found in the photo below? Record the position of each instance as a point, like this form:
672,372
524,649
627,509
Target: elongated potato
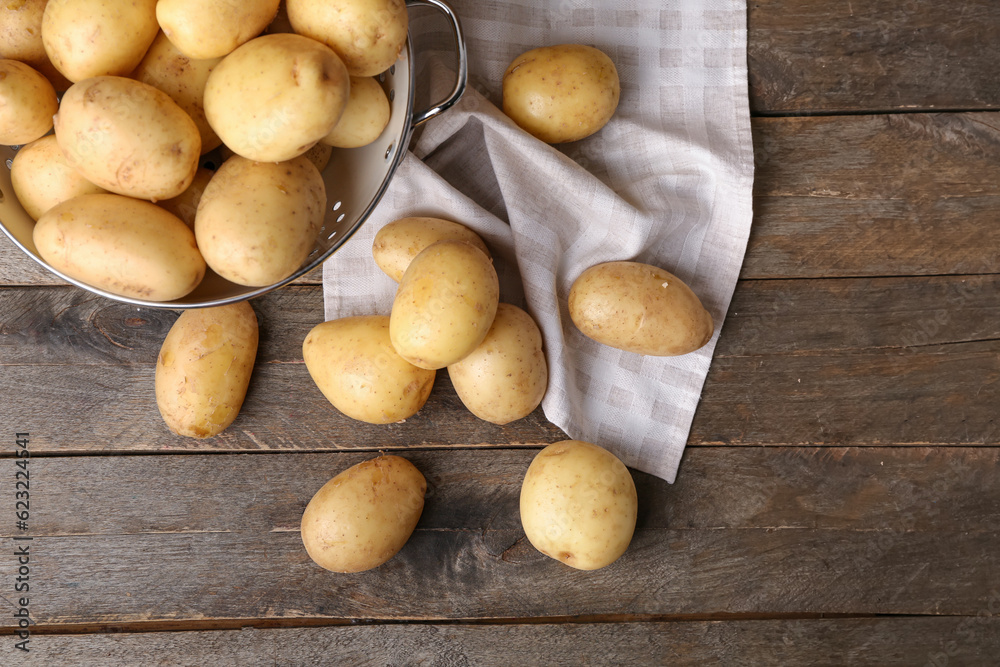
182,78
122,245
27,103
505,377
362,517
445,304
204,367
367,34
639,308
42,178
128,137
257,221
87,38
398,242
353,363
578,504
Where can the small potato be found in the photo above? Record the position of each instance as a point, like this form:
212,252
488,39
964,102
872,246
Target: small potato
365,116
362,517
27,103
42,178
87,38
353,363
398,242
21,38
445,304
367,34
639,308
185,205
299,89
205,29
257,221
128,137
561,93
122,245
319,155
505,377
578,504
203,369
183,79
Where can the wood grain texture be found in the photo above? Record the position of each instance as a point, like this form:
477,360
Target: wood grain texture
797,531
874,641
808,57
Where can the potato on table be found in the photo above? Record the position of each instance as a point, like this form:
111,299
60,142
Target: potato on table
204,368
578,504
27,103
639,308
398,242
362,517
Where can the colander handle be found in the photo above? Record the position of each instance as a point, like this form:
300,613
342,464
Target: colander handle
463,63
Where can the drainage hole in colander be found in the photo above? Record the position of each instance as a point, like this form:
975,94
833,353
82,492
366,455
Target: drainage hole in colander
392,94
388,151
9,163
337,206
381,77
209,165
332,234
340,217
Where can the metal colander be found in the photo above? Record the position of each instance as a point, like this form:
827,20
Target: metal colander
355,178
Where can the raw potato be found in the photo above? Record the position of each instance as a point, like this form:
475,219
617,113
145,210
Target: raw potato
505,377
398,242
27,103
121,245
561,93
298,89
21,38
355,366
42,178
639,308
183,79
257,222
445,304
185,205
128,137
362,517
365,116
87,38
203,369
578,504
205,29
367,34
319,155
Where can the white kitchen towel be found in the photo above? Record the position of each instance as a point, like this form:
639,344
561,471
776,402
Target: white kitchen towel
667,182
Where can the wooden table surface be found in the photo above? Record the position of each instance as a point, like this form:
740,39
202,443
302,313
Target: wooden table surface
838,503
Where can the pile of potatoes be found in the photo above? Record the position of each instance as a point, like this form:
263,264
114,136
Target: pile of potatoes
119,200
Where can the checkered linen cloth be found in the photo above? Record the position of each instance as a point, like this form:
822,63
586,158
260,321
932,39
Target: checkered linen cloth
667,182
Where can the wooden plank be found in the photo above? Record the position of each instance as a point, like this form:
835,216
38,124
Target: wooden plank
905,194
807,56
877,642
153,539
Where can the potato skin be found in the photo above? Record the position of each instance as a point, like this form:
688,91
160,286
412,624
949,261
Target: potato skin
126,246
42,178
367,34
21,38
27,103
204,29
128,137
257,221
88,38
639,308
353,363
362,517
578,504
505,378
204,367
185,205
445,304
398,242
183,79
365,115
561,93
299,87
